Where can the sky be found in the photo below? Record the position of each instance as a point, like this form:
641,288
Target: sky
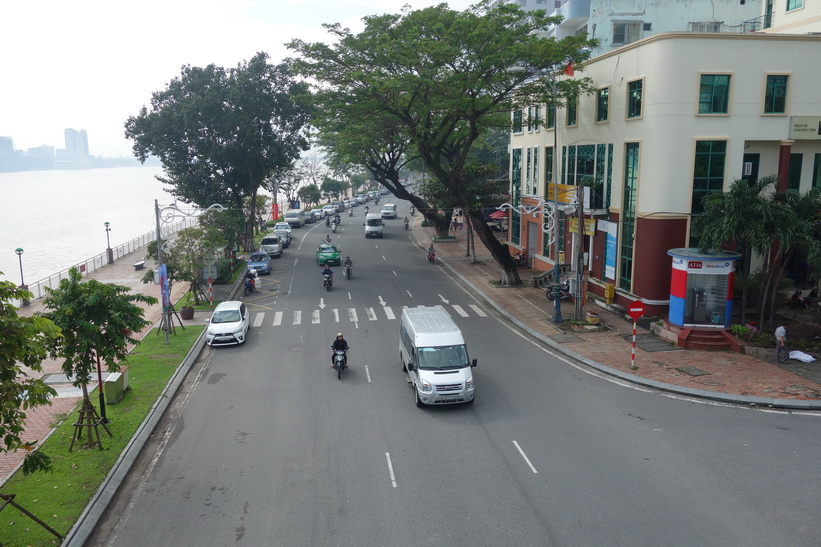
90,64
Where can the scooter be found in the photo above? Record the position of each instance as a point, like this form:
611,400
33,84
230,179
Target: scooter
432,257
340,362
564,291
250,286
348,272
333,227
327,283
520,259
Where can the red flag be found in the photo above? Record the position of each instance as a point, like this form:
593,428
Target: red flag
568,70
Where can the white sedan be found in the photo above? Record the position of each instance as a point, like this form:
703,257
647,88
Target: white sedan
228,325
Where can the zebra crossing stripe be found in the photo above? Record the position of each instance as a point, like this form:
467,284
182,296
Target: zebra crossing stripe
389,312
371,314
352,315
336,315
297,317
478,310
277,318
315,317
260,317
459,310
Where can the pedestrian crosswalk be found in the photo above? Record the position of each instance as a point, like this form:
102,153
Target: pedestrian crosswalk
352,315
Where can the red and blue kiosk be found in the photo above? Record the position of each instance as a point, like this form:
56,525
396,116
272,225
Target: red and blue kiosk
701,288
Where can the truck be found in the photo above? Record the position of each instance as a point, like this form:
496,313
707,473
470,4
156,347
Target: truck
435,357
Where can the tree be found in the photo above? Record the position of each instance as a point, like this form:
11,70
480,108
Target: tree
26,342
222,133
440,78
333,188
96,320
309,195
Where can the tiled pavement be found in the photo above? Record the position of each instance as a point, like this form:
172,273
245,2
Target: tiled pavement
723,375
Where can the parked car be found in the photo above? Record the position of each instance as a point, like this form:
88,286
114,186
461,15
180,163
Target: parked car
319,213
271,245
340,206
260,262
389,210
283,230
309,217
330,210
228,325
328,253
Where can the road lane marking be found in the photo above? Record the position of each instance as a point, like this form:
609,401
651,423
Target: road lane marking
459,310
525,457
353,317
478,310
336,315
371,314
277,318
409,293
390,469
389,312
368,373
297,317
315,317
260,317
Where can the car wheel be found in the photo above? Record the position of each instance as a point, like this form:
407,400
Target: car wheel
401,360
416,398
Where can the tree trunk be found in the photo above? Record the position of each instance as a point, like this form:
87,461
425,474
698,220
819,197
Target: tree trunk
500,253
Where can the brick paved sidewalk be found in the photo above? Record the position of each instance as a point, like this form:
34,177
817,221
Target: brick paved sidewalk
715,372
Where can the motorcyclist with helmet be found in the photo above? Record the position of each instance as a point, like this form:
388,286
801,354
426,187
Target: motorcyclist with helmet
339,344
348,264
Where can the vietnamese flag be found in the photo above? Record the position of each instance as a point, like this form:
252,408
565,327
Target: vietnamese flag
568,70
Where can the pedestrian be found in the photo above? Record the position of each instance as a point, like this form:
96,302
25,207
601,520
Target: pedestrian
781,352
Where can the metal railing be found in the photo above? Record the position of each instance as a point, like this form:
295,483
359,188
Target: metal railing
98,261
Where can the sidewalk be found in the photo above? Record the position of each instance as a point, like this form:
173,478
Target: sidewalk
719,375
41,420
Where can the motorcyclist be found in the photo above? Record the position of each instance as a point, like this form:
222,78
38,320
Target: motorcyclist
431,253
328,221
348,263
327,239
327,271
366,209
337,219
339,343
407,222
252,278
412,210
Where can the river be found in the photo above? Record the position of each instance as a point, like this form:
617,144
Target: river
57,217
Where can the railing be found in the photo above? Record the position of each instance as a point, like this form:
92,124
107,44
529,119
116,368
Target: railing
100,260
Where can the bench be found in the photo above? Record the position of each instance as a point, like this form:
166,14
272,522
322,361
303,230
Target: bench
139,265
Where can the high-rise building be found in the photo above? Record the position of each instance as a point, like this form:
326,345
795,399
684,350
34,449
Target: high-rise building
76,143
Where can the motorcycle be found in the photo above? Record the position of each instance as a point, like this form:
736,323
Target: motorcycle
333,227
564,291
250,286
350,212
340,362
412,211
348,272
432,257
520,259
407,225
327,282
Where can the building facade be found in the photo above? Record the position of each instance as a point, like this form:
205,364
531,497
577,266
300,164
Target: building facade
673,117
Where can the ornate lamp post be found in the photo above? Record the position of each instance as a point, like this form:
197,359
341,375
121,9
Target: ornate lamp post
19,251
166,215
108,243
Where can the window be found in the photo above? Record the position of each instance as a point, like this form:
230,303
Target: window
628,220
708,173
535,169
528,170
547,248
714,94
517,121
775,96
794,4
634,99
572,110
537,117
625,32
816,172
601,104
551,117
711,26
794,175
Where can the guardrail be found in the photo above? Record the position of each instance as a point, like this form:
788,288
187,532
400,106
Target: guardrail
98,261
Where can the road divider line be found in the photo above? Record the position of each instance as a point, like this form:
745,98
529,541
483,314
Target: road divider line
368,373
390,469
522,452
336,315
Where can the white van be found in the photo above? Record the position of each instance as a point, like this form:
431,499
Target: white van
373,225
389,210
295,218
434,355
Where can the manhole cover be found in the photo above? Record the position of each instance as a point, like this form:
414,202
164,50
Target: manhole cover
692,371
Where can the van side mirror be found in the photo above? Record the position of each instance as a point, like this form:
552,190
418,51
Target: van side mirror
409,366
473,363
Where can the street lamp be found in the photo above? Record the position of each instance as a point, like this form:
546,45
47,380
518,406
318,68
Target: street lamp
108,243
19,251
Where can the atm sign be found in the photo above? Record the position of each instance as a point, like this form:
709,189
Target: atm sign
693,264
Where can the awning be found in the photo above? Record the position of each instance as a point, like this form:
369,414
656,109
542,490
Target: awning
498,215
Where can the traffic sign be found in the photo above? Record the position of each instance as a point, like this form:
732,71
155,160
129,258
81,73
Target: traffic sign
636,309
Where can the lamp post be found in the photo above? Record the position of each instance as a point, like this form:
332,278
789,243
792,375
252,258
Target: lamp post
557,274
108,243
19,251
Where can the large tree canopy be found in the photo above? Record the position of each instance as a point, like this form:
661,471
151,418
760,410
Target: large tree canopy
220,133
435,79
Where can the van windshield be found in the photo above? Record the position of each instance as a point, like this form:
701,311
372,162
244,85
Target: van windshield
374,222
442,358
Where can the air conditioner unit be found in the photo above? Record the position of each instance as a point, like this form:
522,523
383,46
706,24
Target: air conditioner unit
748,168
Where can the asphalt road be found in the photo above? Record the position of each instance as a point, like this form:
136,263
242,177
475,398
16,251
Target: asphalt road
264,446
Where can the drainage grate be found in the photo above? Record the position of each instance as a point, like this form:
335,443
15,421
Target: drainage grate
692,371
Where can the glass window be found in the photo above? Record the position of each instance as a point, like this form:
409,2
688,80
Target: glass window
551,117
794,175
602,104
631,178
634,99
528,169
517,121
442,358
775,97
537,117
625,32
535,169
572,110
794,4
709,171
816,172
714,94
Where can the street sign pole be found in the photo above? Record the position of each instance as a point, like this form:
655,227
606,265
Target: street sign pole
636,310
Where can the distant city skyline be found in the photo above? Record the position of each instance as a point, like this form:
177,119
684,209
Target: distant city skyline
92,65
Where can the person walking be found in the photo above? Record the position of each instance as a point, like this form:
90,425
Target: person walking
781,352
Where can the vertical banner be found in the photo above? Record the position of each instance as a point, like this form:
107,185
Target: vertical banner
610,250
166,298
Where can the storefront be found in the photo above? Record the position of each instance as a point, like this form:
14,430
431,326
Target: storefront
701,288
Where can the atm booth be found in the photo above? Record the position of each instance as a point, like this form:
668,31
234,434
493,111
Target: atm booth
701,288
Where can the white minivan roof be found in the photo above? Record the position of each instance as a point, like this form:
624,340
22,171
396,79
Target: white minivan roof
432,326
